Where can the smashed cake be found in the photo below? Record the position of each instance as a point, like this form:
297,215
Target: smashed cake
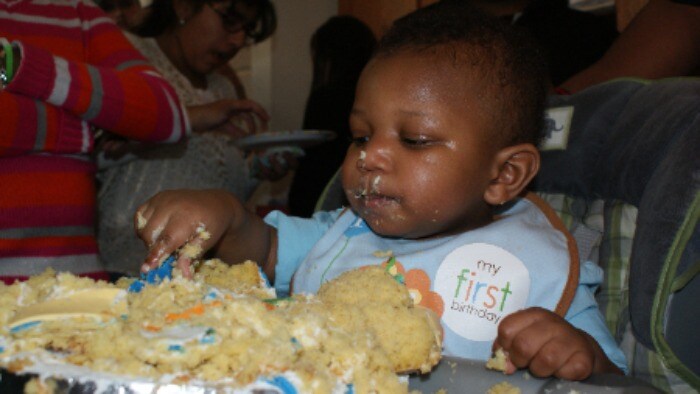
225,329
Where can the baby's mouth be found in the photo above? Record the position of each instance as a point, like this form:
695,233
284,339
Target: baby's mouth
370,195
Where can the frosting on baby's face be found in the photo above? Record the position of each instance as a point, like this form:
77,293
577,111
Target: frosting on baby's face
420,161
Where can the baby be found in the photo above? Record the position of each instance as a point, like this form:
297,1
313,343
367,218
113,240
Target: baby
445,125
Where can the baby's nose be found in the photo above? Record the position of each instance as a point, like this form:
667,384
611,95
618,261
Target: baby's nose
374,157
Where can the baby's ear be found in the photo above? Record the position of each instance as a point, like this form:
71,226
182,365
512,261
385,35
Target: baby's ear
514,167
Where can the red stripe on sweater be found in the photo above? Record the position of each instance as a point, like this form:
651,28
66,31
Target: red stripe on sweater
109,48
28,118
47,246
38,163
47,189
110,83
52,119
9,105
61,40
135,116
81,78
55,216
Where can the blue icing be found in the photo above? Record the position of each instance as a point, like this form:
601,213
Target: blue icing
282,383
136,286
357,228
350,389
25,326
176,348
155,276
209,337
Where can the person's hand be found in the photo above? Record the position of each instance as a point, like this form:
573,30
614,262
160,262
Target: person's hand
174,218
276,166
548,345
113,146
235,117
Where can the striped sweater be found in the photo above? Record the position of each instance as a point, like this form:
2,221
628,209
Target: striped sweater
77,73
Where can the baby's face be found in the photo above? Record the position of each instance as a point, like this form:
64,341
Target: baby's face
420,160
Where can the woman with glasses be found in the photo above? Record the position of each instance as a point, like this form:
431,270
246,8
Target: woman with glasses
188,41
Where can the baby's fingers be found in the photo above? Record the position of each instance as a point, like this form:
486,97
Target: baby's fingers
522,334
184,263
191,251
164,246
550,358
579,366
163,236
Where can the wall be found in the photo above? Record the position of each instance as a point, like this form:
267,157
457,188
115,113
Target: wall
277,72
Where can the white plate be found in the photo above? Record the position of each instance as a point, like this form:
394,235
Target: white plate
300,138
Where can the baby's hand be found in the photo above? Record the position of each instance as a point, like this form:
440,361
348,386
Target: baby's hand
547,344
174,218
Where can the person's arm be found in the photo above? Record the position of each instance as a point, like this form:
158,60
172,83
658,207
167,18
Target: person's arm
172,219
572,347
231,116
296,237
113,88
663,40
548,345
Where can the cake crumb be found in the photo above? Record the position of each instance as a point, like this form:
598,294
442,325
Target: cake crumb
383,253
140,221
503,388
37,386
498,361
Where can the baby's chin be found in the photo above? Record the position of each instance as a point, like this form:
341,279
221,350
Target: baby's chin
392,227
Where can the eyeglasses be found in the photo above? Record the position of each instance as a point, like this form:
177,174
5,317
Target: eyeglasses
234,22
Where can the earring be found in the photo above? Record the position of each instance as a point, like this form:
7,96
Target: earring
181,21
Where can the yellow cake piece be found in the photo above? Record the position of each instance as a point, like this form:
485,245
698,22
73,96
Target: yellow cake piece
225,327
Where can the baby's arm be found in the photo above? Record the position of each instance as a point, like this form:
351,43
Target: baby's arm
548,345
174,218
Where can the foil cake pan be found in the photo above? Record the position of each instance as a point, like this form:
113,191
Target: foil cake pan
72,379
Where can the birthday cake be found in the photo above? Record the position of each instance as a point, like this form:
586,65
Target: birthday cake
223,331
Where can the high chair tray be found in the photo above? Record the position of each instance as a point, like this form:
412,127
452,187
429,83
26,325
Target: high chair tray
457,375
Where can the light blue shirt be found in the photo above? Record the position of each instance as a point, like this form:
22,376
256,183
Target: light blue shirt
478,277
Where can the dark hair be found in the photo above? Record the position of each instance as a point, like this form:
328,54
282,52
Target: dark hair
340,49
505,59
163,17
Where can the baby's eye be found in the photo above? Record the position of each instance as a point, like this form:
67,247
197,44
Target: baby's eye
359,140
416,142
